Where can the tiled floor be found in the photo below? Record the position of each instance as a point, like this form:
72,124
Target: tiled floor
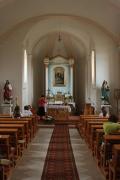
31,165
85,163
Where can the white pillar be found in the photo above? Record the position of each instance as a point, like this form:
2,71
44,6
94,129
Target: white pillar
71,62
46,63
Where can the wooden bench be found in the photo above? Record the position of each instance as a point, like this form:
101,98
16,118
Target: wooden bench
26,127
106,152
21,134
99,133
13,139
114,165
5,156
34,123
30,126
92,135
84,127
89,124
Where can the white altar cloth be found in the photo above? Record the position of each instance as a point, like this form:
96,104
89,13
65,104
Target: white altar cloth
56,106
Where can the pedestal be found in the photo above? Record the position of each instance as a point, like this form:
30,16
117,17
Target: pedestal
107,107
6,109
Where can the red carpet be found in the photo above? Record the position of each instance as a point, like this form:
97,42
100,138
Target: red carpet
60,162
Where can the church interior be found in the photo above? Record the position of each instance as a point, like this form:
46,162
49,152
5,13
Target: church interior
68,53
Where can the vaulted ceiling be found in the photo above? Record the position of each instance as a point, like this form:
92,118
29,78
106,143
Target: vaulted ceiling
103,12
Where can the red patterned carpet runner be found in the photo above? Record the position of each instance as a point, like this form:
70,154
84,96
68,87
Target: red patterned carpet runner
60,162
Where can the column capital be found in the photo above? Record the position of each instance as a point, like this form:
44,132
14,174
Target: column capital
46,61
71,61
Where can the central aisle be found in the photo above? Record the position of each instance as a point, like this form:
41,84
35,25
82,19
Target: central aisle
30,167
60,163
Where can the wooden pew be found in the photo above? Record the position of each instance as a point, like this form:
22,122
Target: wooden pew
5,116
34,123
89,124
91,119
5,156
26,127
17,129
106,152
92,135
21,134
114,165
2,172
83,117
30,126
5,146
13,139
99,133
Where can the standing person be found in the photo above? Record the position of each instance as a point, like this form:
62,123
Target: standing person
7,92
41,106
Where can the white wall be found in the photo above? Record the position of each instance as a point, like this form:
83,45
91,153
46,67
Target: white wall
11,56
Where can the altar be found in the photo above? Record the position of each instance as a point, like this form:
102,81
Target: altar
59,86
59,106
58,111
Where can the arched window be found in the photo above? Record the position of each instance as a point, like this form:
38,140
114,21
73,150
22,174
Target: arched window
25,66
93,67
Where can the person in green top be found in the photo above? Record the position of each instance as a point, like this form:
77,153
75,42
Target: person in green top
111,126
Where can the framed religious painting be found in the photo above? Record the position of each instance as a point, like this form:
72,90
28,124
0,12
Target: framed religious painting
59,73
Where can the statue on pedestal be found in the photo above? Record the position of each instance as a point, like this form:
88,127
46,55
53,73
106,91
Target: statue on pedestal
105,92
7,92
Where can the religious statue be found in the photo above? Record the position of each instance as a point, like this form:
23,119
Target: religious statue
105,92
7,92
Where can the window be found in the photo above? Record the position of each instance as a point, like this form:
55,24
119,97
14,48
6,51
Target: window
93,66
25,66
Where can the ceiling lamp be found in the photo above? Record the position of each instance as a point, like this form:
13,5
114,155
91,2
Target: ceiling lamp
59,37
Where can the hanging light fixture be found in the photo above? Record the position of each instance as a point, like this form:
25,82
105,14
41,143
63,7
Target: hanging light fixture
59,37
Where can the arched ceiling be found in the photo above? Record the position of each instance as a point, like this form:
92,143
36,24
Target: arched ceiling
63,44
105,12
115,3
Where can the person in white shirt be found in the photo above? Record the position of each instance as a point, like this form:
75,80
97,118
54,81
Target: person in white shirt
27,112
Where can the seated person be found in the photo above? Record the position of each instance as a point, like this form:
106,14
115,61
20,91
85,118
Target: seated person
17,113
33,111
111,126
103,112
27,112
